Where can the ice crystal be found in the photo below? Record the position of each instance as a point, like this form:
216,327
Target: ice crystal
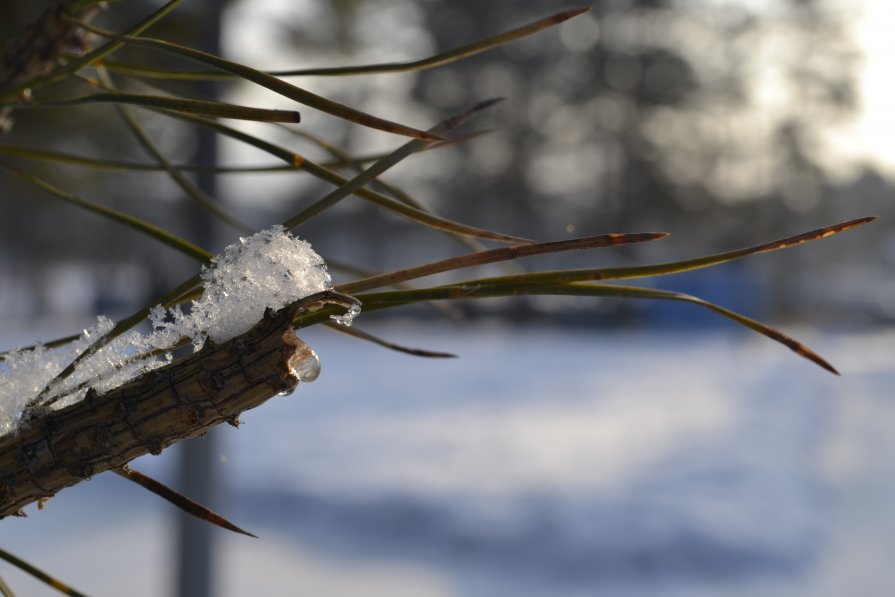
270,269
348,318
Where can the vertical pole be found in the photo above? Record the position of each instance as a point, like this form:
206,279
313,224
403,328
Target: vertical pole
198,475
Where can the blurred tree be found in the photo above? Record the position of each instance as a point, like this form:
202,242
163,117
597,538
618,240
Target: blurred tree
641,112
691,106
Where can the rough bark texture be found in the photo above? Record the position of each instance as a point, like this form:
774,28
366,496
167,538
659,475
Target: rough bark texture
41,46
176,402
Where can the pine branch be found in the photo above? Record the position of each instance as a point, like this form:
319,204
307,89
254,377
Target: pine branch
60,448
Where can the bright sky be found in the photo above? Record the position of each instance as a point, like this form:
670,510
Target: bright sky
876,131
872,136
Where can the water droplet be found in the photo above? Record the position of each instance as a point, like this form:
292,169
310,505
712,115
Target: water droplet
348,318
305,363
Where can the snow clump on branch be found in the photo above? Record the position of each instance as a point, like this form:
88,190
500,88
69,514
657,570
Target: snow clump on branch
270,269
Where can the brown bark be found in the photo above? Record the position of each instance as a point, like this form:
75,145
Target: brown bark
42,44
63,447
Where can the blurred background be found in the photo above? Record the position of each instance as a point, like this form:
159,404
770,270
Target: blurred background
577,446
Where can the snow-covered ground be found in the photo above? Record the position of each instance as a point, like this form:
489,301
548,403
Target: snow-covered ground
541,462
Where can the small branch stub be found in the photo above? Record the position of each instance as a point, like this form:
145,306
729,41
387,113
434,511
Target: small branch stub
60,448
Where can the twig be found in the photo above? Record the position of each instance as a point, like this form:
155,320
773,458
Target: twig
59,448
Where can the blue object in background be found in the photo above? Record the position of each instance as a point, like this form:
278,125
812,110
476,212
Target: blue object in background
733,286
